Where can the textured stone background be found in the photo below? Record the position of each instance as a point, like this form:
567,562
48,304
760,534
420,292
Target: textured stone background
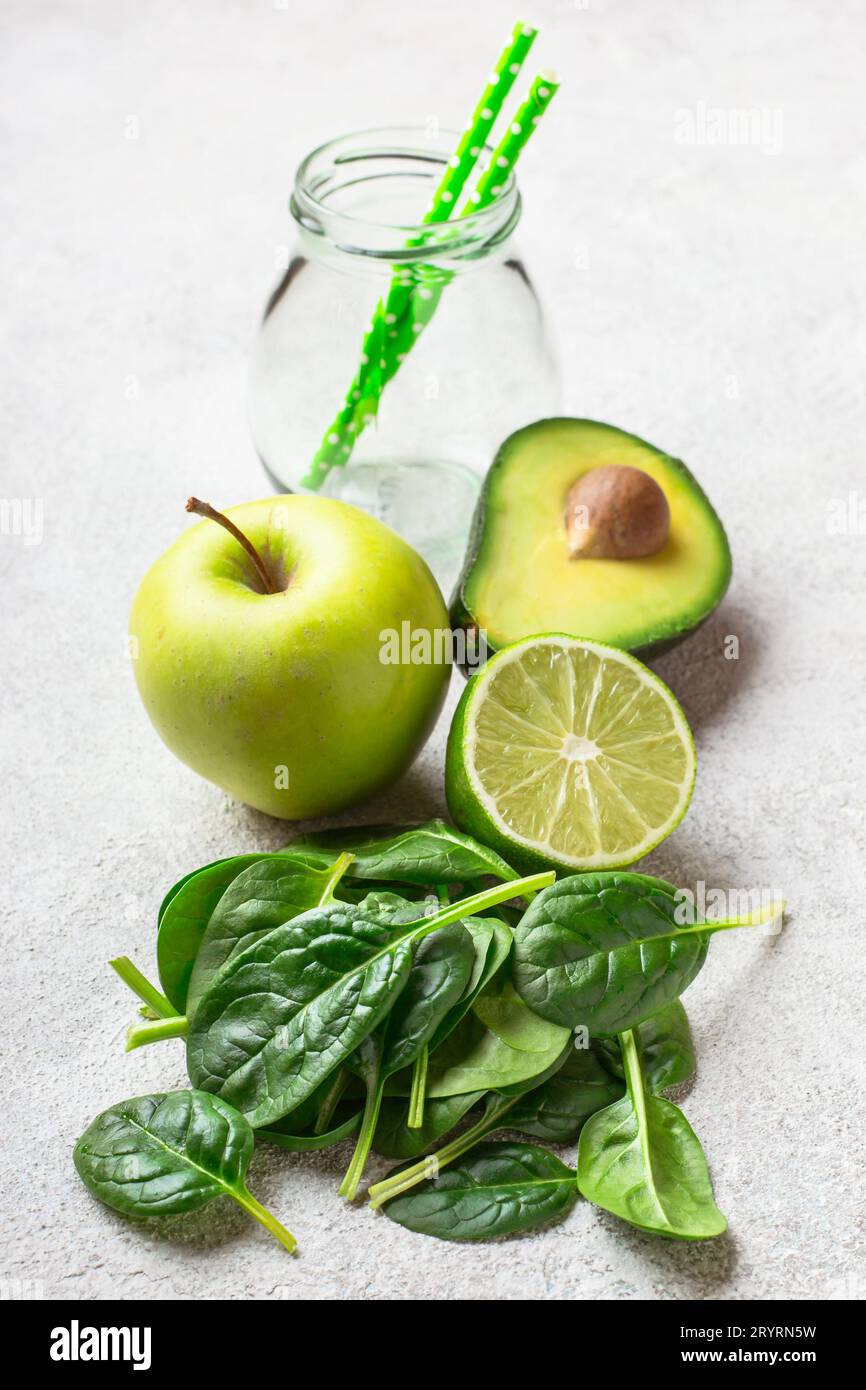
708,297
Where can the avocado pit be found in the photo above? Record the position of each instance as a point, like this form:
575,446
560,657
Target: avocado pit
616,512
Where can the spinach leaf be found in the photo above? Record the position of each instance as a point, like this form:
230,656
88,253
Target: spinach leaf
438,976
395,909
395,1139
283,1014
666,1048
481,938
185,912
493,942
641,1160
499,1190
176,887
557,1110
162,1154
304,1118
263,896
292,1007
430,853
499,1043
358,890
605,950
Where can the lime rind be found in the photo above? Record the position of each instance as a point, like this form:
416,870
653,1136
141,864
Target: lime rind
587,763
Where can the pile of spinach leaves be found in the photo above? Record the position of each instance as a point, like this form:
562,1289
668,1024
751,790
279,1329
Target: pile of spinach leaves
367,983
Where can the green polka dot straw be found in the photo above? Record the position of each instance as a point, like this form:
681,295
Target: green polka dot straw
419,308
507,152
415,292
362,398
477,132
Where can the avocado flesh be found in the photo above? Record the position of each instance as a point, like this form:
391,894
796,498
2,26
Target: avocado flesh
518,579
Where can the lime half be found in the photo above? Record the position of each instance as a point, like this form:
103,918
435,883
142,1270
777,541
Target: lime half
569,752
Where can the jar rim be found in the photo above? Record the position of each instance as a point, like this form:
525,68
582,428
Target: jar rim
317,179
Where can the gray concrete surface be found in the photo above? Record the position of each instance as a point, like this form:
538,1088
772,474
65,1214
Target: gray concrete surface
709,296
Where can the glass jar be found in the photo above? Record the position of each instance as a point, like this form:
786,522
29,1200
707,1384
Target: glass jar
408,435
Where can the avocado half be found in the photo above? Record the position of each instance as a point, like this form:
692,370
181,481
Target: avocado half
518,579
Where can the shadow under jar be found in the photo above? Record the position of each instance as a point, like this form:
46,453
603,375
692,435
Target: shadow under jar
406,422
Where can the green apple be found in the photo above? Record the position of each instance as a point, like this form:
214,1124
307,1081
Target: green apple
283,698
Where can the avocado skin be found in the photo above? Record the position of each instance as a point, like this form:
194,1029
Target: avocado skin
461,616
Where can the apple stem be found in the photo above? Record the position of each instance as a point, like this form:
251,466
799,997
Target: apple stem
205,509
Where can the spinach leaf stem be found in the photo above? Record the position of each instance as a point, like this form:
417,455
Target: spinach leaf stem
140,1034
140,985
431,1164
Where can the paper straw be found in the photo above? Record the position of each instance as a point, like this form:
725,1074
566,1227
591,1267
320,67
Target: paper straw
378,353
425,296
